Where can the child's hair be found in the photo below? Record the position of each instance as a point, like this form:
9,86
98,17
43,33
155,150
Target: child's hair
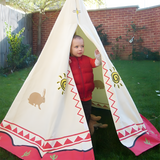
77,36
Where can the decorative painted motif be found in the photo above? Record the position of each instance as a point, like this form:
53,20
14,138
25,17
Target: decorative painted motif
100,105
76,11
116,78
62,83
98,84
26,154
147,142
45,145
36,99
54,157
131,130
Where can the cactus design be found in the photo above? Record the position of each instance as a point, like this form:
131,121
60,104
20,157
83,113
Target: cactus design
26,154
147,142
54,157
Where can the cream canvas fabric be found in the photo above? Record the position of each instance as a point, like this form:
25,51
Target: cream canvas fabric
46,118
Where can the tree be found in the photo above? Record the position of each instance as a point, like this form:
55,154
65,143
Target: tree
3,2
30,6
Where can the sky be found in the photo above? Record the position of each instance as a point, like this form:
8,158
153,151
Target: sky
140,3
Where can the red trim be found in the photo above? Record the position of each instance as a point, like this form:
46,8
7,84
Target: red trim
37,134
141,146
34,154
42,141
47,149
146,141
71,155
129,126
121,139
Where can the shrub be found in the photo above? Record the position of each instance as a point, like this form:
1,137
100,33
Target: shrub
20,54
145,54
151,55
103,36
138,55
117,49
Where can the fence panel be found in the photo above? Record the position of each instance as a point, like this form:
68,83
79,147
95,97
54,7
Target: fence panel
17,21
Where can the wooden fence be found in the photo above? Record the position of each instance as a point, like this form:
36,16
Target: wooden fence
17,21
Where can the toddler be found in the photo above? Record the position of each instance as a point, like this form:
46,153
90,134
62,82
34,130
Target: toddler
81,67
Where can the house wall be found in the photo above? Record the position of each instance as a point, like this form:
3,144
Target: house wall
114,22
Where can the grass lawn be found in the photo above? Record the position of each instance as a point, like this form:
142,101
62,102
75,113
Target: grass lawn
142,78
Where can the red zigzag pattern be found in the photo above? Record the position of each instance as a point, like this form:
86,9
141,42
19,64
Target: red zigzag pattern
110,98
45,145
75,98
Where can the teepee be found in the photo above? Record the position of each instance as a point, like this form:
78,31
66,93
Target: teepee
39,123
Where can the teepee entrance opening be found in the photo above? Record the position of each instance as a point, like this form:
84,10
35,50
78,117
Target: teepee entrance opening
99,97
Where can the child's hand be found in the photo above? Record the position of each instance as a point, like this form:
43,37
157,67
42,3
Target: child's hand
70,61
98,57
97,52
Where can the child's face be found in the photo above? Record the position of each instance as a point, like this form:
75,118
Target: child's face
77,47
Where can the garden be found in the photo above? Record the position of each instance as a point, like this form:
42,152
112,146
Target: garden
143,82
140,75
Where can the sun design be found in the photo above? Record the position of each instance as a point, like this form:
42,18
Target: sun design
62,83
116,78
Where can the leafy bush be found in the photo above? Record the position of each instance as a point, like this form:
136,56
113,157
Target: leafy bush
151,55
20,54
103,36
117,49
145,54
138,55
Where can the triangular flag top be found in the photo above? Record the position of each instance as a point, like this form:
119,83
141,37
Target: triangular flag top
46,119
